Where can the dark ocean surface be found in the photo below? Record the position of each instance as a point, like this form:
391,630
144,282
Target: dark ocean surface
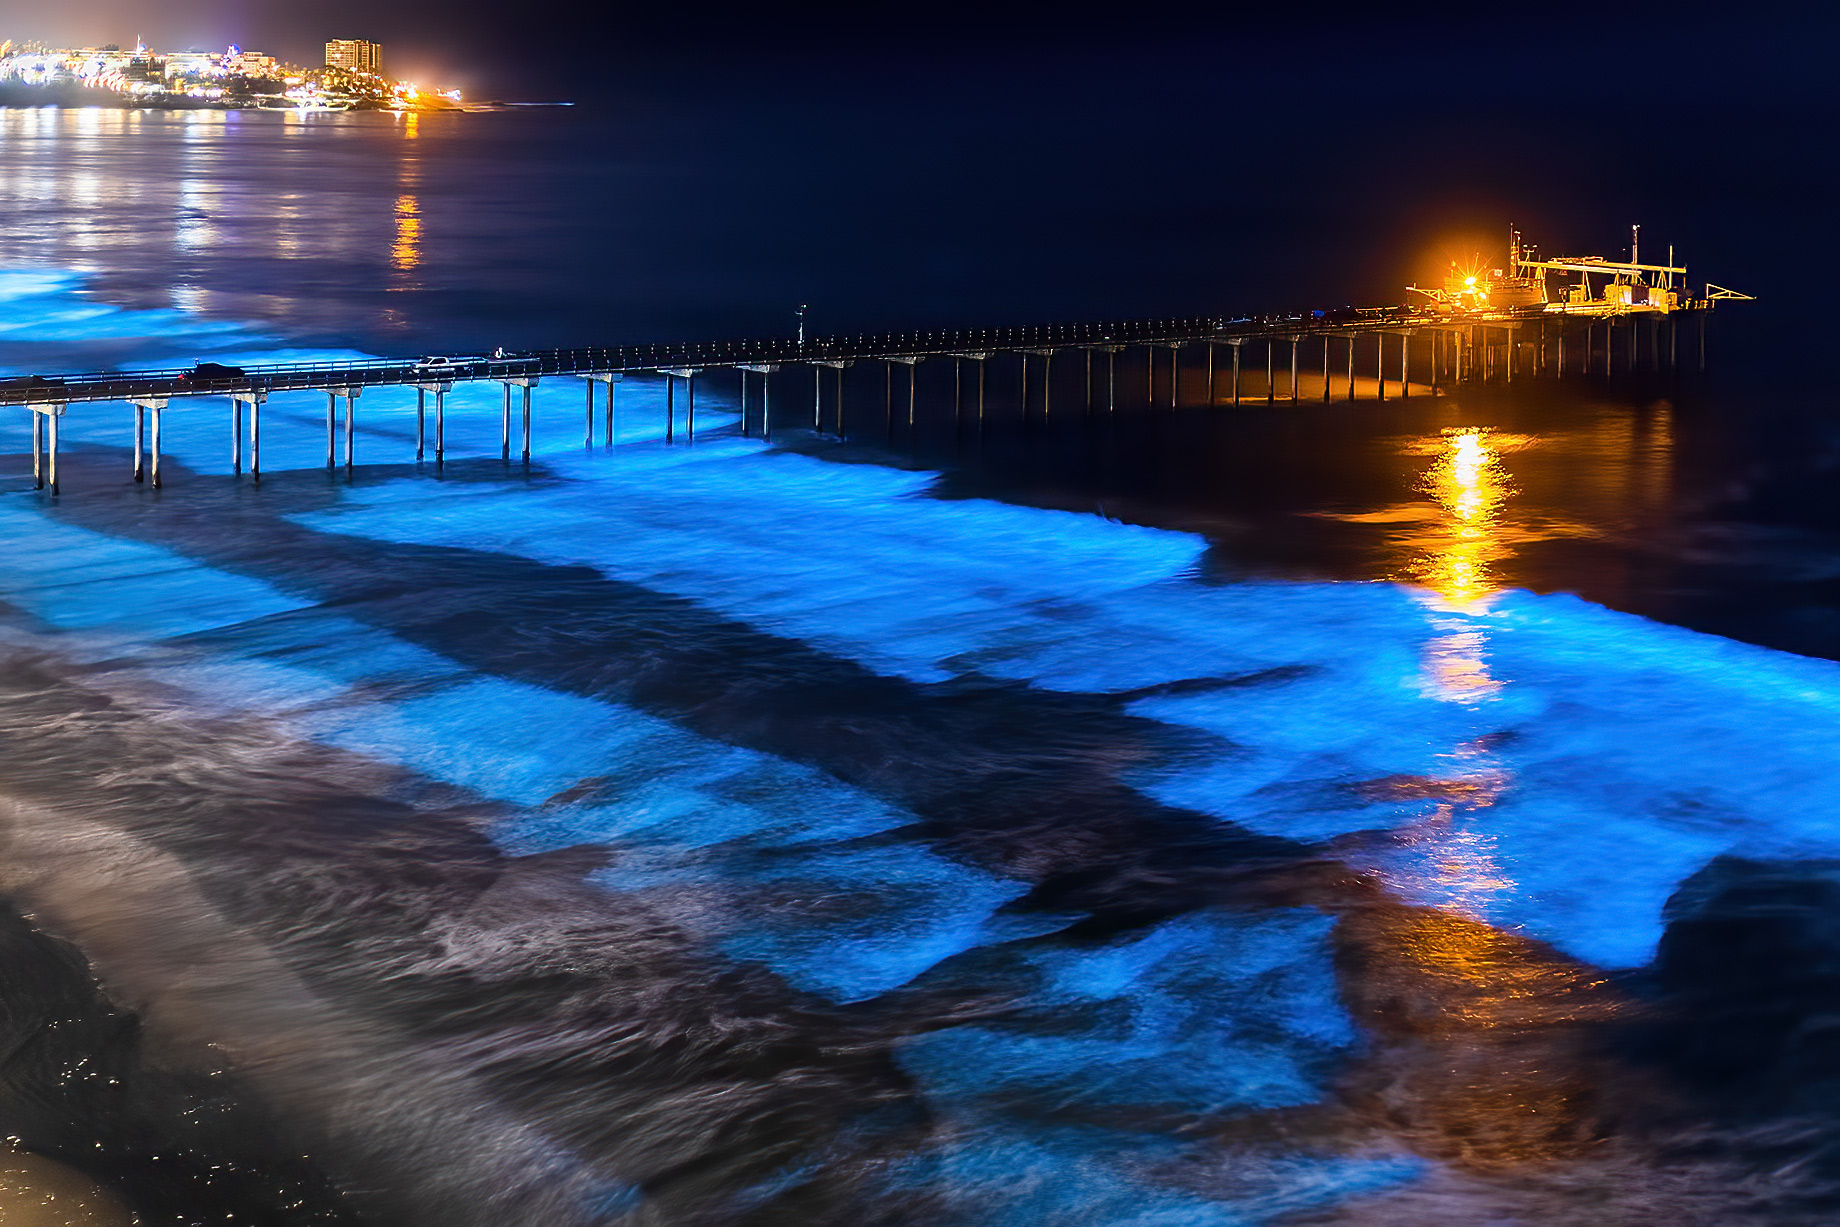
1293,813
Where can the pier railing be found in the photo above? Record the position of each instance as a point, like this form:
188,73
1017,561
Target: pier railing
631,359
1456,348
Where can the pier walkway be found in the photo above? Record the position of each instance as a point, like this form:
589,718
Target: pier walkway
1426,347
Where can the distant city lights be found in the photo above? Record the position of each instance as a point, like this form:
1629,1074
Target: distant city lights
234,77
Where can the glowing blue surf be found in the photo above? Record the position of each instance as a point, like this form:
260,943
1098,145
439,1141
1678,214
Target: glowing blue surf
1553,767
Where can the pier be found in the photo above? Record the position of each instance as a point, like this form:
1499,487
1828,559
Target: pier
1480,328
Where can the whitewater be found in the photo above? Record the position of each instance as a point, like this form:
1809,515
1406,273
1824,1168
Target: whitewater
741,712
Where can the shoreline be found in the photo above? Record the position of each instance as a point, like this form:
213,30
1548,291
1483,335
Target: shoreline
78,97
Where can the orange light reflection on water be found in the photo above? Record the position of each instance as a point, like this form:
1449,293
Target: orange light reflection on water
406,252
1470,485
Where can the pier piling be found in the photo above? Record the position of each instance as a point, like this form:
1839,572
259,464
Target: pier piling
53,415
254,400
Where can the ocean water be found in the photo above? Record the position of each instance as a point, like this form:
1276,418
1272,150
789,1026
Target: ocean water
742,832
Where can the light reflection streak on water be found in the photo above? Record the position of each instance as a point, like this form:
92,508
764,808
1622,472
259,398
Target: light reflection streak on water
406,250
405,254
1471,486
1454,859
89,188
1490,994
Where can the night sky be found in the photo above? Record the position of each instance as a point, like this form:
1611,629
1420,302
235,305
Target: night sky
1323,52
1334,150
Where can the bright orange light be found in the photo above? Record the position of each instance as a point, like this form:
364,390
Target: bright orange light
1469,483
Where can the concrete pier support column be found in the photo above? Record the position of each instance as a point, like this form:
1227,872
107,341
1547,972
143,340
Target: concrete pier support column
1609,346
1380,364
888,404
1405,365
440,426
1149,377
351,439
912,394
1352,338
689,409
1559,365
1294,344
587,434
152,405
1325,368
670,408
766,406
1271,370
817,399
1210,375
613,392
1514,351
1111,382
1047,387
254,401
1236,348
759,369
38,450
159,413
526,383
332,405
54,416
421,420
236,437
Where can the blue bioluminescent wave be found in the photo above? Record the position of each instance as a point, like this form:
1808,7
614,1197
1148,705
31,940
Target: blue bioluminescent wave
1537,763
